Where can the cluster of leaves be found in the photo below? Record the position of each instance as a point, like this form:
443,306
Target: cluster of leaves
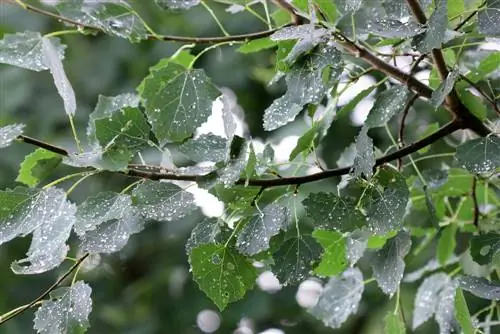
295,233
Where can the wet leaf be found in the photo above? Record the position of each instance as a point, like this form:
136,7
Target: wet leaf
480,287
388,265
333,259
177,101
445,311
332,212
37,166
388,104
364,162
9,133
208,147
436,29
484,247
340,298
427,298
222,273
177,5
66,312
488,18
439,95
162,201
205,232
105,222
481,155
390,28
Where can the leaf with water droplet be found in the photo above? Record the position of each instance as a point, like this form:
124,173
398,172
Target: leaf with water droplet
488,19
207,147
386,201
481,155
480,287
330,211
294,259
25,50
37,166
177,100
9,133
177,5
256,234
116,18
206,232
119,127
394,28
445,87
427,298
484,247
162,201
307,82
51,59
445,311
434,36
340,298
333,259
364,162
66,312
356,244
105,222
388,265
388,104
222,273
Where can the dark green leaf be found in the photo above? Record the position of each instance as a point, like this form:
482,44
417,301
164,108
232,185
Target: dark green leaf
388,104
446,243
256,234
305,143
332,212
481,155
222,273
488,18
480,287
476,106
334,259
162,201
257,45
365,159
294,258
114,18
462,313
177,101
25,50
340,298
436,29
37,166
9,133
388,265
484,247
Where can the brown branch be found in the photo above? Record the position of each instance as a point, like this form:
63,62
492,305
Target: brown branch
474,200
455,106
46,292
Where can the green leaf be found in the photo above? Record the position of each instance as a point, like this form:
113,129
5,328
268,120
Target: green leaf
439,95
340,298
66,312
394,28
334,259
307,35
207,147
9,133
480,287
306,83
446,244
455,8
394,324
386,207
117,125
37,166
388,265
113,18
436,29
222,273
488,18
484,247
177,101
388,104
257,45
206,232
25,50
177,5
481,155
105,222
328,9
294,258
364,162
427,298
462,313
475,105
256,234
45,213
305,143
162,201
329,211
182,57
488,65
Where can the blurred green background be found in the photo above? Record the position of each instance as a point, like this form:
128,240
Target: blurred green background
147,287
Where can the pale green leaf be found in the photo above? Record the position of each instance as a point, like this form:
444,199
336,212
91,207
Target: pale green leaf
394,324
427,298
207,147
488,18
334,258
462,313
480,287
257,45
446,244
37,166
388,104
365,159
9,133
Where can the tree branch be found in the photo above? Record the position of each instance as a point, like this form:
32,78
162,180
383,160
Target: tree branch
46,292
157,173
455,106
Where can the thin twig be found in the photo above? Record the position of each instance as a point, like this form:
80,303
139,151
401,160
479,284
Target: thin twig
474,200
46,292
469,17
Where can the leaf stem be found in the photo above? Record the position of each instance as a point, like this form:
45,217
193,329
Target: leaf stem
64,178
63,32
211,47
75,135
